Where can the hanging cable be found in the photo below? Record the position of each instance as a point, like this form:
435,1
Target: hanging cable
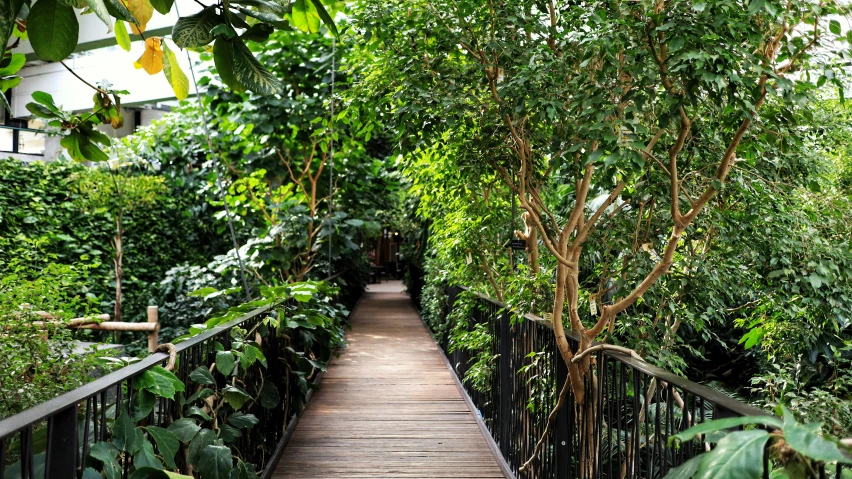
214,157
331,156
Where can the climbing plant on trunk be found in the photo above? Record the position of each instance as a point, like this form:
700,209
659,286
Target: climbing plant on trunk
605,116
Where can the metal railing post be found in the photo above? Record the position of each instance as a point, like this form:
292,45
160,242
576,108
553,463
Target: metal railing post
562,454
61,460
505,373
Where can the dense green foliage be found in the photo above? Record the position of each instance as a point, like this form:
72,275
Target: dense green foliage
683,193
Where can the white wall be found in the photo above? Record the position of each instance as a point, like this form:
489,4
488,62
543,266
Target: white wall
112,65
94,34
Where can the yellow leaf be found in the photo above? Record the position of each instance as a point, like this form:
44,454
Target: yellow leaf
177,79
152,59
142,11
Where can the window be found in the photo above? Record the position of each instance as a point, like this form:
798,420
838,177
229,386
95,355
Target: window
21,136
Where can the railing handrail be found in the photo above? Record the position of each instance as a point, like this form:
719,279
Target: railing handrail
723,400
37,413
48,408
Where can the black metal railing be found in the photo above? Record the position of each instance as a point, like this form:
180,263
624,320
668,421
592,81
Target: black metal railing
53,439
622,430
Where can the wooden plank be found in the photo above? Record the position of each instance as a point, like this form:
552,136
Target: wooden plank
388,407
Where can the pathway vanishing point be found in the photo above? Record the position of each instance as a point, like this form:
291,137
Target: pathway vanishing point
388,407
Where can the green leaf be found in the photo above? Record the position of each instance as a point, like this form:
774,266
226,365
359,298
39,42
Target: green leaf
153,473
685,470
242,420
269,397
720,424
223,57
235,396
216,462
171,69
201,375
145,457
756,6
305,16
100,9
142,405
225,362
103,451
118,10
834,27
203,292
325,17
108,455
805,440
195,30
15,64
250,73
739,455
167,444
204,438
8,14
125,436
201,393
162,6
53,30
90,473
121,35
198,412
160,382
184,429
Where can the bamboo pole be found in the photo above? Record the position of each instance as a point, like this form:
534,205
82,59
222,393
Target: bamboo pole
153,335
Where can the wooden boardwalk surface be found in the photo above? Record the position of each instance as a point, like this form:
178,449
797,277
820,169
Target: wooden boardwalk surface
388,407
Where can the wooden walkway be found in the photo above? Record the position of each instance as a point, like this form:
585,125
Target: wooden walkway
388,407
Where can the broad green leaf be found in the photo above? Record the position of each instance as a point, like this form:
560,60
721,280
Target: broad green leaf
8,14
167,444
204,438
177,79
304,16
15,64
225,362
755,6
193,31
184,429
198,412
203,292
121,35
223,57
805,440
738,455
325,17
103,451
720,424
125,436
216,462
143,404
160,382
100,9
235,396
53,30
142,11
153,473
119,10
162,6
201,393
685,470
834,27
251,74
269,396
90,473
242,421
146,457
201,375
